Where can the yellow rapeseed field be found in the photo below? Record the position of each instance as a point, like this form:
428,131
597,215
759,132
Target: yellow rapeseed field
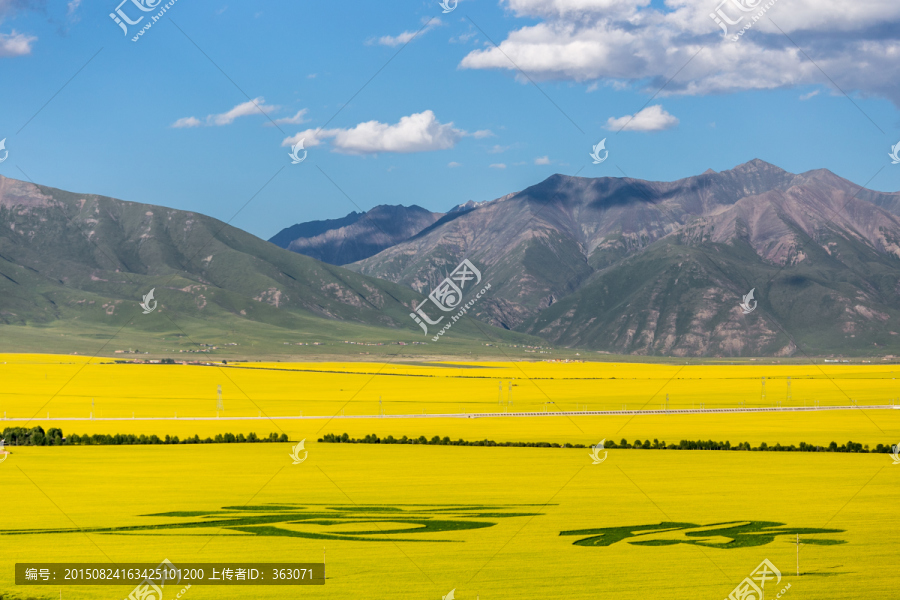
526,496
35,385
693,523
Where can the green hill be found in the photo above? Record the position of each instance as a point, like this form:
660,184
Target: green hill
75,267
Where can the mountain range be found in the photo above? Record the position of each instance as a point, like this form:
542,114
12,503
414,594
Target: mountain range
360,235
82,262
615,265
357,236
637,267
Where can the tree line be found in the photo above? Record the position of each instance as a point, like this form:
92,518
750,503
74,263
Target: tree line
20,436
850,446
36,436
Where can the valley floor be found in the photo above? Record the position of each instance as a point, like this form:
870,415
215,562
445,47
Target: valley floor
415,521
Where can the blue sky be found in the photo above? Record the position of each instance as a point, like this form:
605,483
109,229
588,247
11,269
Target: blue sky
86,109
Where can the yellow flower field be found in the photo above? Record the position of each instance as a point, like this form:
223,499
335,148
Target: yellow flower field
516,556
698,522
36,385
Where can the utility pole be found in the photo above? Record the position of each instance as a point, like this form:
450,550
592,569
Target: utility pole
762,397
789,396
798,554
219,405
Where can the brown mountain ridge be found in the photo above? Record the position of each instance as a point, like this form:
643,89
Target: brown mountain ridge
631,266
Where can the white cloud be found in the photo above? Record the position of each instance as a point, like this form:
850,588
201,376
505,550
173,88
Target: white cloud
251,107
187,122
809,95
497,166
15,44
72,6
454,164
573,8
483,133
542,160
419,132
406,36
463,37
416,133
498,149
310,137
295,120
652,118
856,43
396,40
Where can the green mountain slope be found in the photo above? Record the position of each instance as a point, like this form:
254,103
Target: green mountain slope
84,262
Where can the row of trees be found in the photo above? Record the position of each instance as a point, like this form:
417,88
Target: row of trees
36,436
850,446
333,438
19,436
125,439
